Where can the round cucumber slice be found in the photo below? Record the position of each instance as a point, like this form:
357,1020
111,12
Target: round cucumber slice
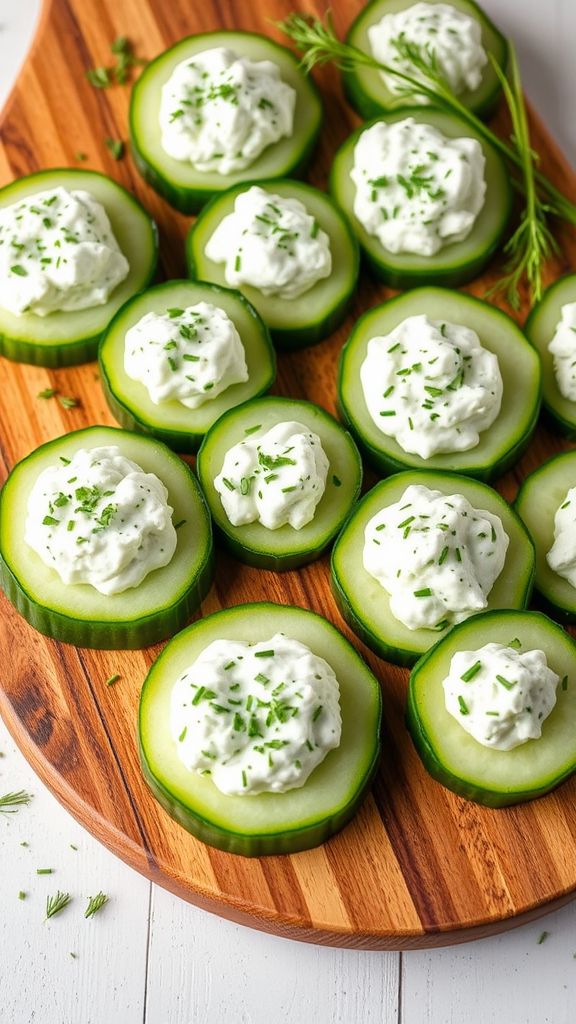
285,548
503,443
294,323
365,605
456,263
78,613
180,428
537,502
496,778
366,89
179,182
269,823
540,328
65,339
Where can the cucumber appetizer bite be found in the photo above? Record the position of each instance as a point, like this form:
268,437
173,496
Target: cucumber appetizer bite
74,246
287,248
428,198
431,380
259,729
492,708
179,355
458,35
220,108
551,327
280,476
546,503
105,539
423,551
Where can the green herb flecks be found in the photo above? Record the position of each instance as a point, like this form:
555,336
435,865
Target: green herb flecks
95,903
10,802
55,904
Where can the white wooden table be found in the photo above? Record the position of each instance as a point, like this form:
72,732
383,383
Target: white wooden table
148,957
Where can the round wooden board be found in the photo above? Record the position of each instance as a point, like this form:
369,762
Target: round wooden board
418,866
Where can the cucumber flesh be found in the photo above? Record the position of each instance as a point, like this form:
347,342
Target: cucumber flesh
367,91
537,502
178,181
65,339
78,613
284,548
180,428
540,329
456,263
495,777
267,823
502,444
365,605
316,313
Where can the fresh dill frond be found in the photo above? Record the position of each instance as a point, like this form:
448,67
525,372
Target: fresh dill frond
95,903
55,904
10,802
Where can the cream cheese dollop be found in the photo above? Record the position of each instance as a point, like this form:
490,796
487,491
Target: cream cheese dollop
58,253
186,355
500,695
274,478
431,385
99,518
272,243
219,111
256,718
416,190
563,349
436,555
562,555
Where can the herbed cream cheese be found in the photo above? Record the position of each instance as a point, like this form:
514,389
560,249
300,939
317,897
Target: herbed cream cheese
450,35
431,385
435,555
220,111
563,349
562,555
98,518
256,718
57,253
500,695
274,478
416,189
272,243
186,355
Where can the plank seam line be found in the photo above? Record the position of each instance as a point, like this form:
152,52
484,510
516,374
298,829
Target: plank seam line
400,972
147,960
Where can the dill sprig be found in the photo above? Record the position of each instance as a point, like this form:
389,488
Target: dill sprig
419,75
10,802
95,903
57,903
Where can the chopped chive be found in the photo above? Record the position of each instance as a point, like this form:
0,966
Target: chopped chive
179,524
565,683
47,393
336,480
19,270
66,402
542,937
314,230
228,483
113,679
44,871
261,678
50,521
443,556
237,264
425,592
252,430
263,654
505,682
406,522
471,672
463,706
182,735
317,713
116,147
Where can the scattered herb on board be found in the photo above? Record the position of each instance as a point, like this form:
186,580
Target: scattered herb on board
47,393
67,402
10,802
113,679
542,937
118,73
44,871
80,156
55,904
21,895
116,147
95,903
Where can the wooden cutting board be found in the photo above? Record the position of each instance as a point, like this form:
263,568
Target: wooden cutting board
418,866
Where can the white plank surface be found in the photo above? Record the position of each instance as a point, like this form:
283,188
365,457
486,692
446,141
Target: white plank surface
177,965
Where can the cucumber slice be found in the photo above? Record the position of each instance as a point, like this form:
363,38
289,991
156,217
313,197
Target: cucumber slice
455,264
537,502
179,182
285,548
496,778
65,339
540,328
365,605
79,614
369,95
309,318
180,428
268,823
503,443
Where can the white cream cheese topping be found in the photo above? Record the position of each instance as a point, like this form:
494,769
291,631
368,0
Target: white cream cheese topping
435,555
274,478
220,111
272,243
563,349
256,718
98,518
500,695
186,355
562,555
416,189
431,385
57,253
